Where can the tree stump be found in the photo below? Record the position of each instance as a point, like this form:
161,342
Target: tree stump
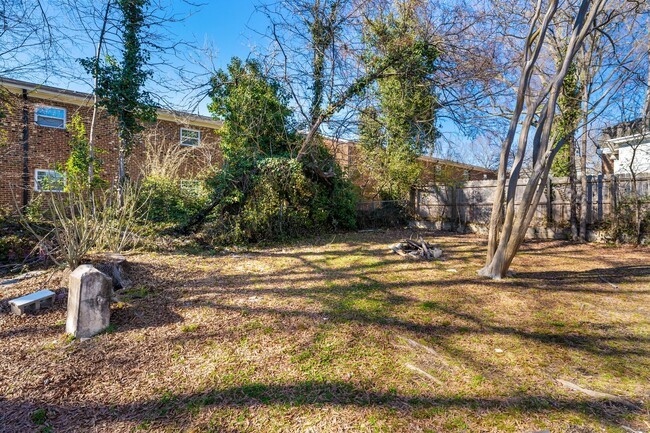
116,267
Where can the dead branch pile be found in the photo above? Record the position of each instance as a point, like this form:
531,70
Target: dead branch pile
416,249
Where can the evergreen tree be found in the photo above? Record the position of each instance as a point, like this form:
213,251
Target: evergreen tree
256,118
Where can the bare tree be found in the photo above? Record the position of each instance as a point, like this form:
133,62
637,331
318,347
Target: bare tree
28,38
29,43
99,24
318,52
485,152
508,224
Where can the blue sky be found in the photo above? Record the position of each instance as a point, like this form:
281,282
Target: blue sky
227,27
230,28
224,24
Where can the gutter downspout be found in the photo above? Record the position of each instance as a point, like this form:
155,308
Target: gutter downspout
25,149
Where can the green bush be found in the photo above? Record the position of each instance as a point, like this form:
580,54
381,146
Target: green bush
623,225
264,191
15,242
169,203
275,198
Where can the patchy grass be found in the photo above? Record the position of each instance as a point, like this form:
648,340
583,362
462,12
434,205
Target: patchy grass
190,328
340,335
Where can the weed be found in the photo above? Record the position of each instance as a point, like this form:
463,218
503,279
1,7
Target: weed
190,328
39,416
110,329
456,423
135,293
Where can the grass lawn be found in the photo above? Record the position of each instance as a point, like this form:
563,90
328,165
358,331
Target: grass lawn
339,334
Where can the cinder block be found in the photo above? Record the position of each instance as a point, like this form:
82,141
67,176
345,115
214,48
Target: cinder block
32,302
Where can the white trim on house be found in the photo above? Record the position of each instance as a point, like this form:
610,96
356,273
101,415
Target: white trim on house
621,151
184,142
58,176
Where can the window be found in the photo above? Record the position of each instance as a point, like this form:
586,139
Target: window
191,186
190,137
52,117
49,181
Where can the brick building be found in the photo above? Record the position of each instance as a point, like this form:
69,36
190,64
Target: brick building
434,170
35,141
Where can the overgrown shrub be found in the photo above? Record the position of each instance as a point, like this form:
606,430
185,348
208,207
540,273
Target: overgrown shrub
275,198
81,220
631,219
264,191
169,203
15,242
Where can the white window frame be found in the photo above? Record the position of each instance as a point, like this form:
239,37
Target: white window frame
42,170
198,139
65,116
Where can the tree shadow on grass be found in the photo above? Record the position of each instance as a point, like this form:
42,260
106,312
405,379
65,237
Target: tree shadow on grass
173,410
143,305
165,288
615,274
337,300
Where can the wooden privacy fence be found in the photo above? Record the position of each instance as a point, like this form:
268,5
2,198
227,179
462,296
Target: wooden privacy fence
471,202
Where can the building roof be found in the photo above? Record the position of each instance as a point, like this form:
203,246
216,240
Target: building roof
615,136
85,99
455,164
429,159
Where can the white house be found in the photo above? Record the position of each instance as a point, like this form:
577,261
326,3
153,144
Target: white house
626,147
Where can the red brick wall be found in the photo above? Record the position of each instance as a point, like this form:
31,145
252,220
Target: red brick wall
48,147
437,172
433,172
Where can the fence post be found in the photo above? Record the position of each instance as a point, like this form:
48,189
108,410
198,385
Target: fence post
549,200
600,197
412,204
613,195
454,205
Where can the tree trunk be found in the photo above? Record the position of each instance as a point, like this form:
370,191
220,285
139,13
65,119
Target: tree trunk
517,219
516,223
583,161
121,172
91,138
573,189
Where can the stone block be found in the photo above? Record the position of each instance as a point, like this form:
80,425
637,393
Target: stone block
32,302
89,298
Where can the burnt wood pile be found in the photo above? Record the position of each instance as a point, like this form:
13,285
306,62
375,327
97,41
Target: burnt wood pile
417,249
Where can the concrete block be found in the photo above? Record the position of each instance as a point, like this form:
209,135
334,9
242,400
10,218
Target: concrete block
89,298
32,302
